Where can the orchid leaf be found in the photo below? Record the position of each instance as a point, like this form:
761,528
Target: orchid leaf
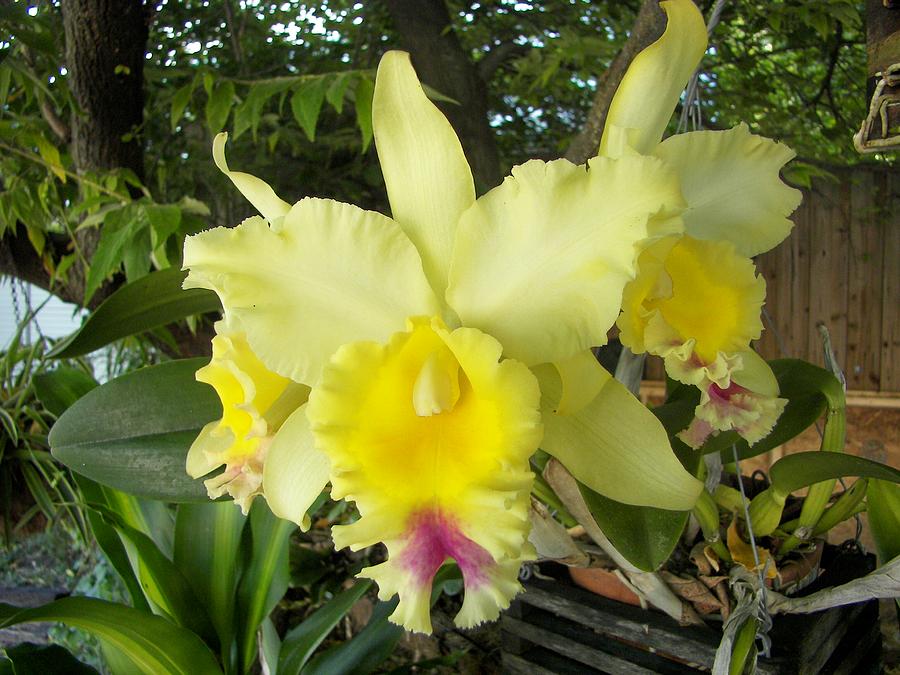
803,469
152,301
644,535
883,509
300,642
133,433
207,542
266,579
154,645
60,388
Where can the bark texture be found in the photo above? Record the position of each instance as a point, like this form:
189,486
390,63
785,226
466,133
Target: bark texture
105,45
426,33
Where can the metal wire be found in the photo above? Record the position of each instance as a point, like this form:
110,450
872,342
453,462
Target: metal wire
691,112
762,613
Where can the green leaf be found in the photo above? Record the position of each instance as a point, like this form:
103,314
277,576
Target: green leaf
164,585
110,543
32,659
365,90
133,433
218,106
306,103
336,90
301,641
207,543
644,535
179,102
152,301
267,576
60,388
363,653
154,645
118,230
883,508
803,469
164,220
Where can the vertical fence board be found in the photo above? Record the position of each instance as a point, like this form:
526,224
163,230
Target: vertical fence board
797,336
890,323
865,300
828,270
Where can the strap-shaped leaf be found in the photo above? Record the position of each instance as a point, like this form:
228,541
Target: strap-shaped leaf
805,468
153,645
266,578
152,301
133,433
207,545
300,643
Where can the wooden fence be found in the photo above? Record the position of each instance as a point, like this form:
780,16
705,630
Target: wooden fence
840,267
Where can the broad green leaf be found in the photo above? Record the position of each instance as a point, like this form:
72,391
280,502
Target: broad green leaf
133,433
364,652
50,154
60,388
218,106
179,102
883,501
644,535
306,103
155,646
33,659
155,300
266,578
207,545
805,468
300,642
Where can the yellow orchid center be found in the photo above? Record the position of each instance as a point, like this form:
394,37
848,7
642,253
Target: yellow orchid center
431,435
715,299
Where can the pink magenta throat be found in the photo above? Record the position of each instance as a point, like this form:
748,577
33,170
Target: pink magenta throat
433,537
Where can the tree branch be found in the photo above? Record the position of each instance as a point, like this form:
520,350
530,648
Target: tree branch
498,56
649,25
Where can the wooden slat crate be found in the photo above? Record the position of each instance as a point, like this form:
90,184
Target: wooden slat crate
556,627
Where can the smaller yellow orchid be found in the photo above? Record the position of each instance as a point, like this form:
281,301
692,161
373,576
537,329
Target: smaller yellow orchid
255,402
696,301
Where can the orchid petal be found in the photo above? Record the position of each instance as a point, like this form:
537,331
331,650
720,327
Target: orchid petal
295,472
616,447
540,261
428,179
653,84
257,191
329,274
731,183
582,379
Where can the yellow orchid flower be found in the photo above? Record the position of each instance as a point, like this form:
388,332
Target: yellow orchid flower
427,339
255,402
696,301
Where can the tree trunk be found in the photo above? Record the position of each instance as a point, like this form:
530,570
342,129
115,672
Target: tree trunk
105,45
426,33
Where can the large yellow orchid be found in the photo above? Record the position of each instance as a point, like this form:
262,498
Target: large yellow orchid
696,301
444,344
